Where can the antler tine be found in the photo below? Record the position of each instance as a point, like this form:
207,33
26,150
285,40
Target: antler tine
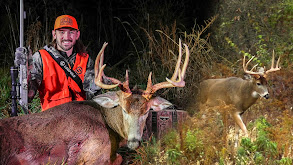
147,93
178,74
99,61
177,67
126,84
273,59
245,65
254,67
186,60
99,72
278,62
274,68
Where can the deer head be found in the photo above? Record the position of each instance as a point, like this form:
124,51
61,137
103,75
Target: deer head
135,105
260,77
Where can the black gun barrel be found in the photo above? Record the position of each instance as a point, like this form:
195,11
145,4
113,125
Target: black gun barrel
14,90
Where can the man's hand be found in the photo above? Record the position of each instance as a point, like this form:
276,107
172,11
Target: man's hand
21,56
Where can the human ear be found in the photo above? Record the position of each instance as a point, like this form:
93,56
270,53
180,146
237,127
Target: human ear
54,34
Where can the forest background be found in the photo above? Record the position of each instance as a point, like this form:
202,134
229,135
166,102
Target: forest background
143,36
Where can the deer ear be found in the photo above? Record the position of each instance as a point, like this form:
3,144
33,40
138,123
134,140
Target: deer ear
107,100
158,103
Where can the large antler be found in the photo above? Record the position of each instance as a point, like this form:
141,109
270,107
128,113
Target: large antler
250,71
177,79
100,76
263,73
273,69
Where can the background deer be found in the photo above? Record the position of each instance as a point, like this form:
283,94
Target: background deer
239,93
86,132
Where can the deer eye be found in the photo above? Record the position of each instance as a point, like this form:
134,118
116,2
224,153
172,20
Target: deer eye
258,84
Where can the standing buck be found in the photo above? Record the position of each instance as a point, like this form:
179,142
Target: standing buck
236,92
85,132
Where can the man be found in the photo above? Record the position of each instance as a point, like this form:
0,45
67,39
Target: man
62,71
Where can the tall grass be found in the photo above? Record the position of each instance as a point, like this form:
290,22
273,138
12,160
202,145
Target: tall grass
157,51
5,96
5,88
203,141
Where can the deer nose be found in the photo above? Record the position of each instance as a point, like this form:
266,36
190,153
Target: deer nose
133,144
267,96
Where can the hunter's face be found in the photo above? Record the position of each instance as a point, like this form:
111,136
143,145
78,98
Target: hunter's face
65,38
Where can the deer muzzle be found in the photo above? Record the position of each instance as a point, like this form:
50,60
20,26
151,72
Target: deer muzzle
133,143
267,96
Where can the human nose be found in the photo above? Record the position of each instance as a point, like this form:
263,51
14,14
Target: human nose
66,36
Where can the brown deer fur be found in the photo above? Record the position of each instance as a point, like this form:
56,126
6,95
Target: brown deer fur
73,133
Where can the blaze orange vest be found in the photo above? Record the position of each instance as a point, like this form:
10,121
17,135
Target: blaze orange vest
56,88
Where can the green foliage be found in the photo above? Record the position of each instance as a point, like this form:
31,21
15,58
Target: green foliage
285,161
280,20
5,96
147,152
191,141
5,88
263,142
261,151
193,145
255,27
35,105
171,140
174,156
242,52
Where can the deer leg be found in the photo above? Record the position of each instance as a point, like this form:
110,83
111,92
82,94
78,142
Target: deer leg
238,124
236,135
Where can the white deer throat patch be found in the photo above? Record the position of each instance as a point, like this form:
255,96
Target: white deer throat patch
255,94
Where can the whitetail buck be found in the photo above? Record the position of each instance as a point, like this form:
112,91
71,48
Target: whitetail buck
236,92
85,132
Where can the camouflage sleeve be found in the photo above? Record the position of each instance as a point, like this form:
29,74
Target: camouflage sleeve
35,75
89,85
